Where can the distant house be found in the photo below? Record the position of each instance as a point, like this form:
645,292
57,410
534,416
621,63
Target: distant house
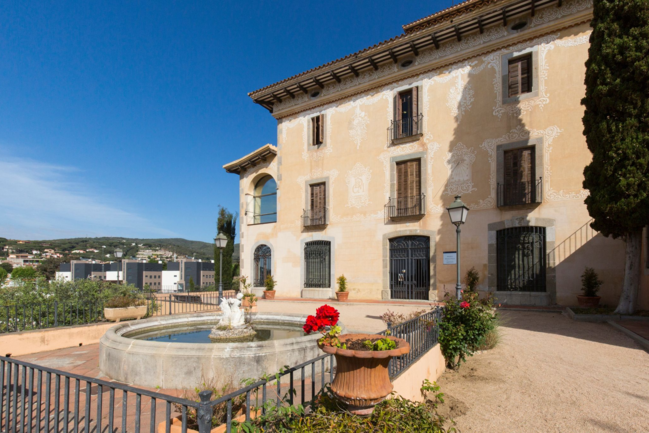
78,251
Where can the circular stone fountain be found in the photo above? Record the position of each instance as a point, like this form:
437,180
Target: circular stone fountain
175,352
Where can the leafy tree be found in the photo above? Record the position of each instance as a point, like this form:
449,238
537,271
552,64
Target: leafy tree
226,224
7,267
192,285
616,125
49,267
23,272
3,275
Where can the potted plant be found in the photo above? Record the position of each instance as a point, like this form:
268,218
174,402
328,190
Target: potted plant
590,284
249,299
269,293
125,308
362,379
342,294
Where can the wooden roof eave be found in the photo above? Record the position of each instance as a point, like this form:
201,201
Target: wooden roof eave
254,158
408,44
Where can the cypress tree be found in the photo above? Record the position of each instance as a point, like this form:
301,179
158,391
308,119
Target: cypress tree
616,126
226,224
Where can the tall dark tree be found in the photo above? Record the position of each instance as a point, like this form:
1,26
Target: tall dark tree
226,224
616,125
49,267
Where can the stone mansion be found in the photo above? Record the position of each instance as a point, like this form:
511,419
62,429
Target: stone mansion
481,100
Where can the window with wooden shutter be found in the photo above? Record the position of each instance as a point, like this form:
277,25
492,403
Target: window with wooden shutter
406,121
408,198
519,76
519,176
317,130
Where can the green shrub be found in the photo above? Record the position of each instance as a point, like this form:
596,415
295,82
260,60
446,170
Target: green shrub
472,279
124,302
24,272
464,327
590,283
270,283
395,414
342,283
3,275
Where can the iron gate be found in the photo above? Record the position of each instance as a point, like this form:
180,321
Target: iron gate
410,267
317,264
521,259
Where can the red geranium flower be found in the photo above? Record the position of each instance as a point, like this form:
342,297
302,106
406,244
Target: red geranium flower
312,325
327,315
464,304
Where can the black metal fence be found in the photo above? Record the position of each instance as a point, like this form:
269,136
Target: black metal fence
41,399
405,206
25,317
54,314
520,193
421,332
406,127
315,217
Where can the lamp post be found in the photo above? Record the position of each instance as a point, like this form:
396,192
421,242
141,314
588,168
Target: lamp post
220,241
118,255
458,211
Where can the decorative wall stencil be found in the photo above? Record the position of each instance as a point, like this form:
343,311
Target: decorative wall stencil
358,180
316,154
459,163
358,126
460,98
396,151
518,134
550,14
431,193
544,44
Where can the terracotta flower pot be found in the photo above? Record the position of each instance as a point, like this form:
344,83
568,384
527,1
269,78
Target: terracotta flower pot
269,294
588,301
245,302
362,379
342,296
176,423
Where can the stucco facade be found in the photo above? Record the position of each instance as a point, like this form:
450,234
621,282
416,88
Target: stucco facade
468,121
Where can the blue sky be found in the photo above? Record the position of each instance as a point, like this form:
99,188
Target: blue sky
116,116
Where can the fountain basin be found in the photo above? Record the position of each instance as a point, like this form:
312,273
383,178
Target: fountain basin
176,365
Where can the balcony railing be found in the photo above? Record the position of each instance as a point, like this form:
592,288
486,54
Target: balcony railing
405,207
315,217
520,193
406,127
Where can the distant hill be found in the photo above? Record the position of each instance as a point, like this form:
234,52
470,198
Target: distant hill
106,245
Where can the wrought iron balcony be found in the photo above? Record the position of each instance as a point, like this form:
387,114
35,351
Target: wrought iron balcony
520,193
405,207
411,126
315,217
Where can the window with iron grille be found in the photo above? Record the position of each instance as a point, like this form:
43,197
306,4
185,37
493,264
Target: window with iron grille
521,259
407,119
520,185
262,258
519,75
317,264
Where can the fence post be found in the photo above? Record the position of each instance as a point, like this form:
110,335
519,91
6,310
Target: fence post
56,314
170,305
204,412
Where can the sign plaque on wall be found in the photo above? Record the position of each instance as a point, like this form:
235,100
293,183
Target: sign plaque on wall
450,258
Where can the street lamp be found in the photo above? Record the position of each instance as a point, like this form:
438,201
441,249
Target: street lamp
458,212
118,255
220,241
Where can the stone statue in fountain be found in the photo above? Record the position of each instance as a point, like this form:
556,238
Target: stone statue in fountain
232,327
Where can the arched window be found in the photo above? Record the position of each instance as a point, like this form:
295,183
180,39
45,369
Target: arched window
263,263
265,201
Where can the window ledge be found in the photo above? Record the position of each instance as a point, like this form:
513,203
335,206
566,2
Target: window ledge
407,139
519,98
519,206
261,224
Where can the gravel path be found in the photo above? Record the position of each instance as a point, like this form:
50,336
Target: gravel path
551,374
